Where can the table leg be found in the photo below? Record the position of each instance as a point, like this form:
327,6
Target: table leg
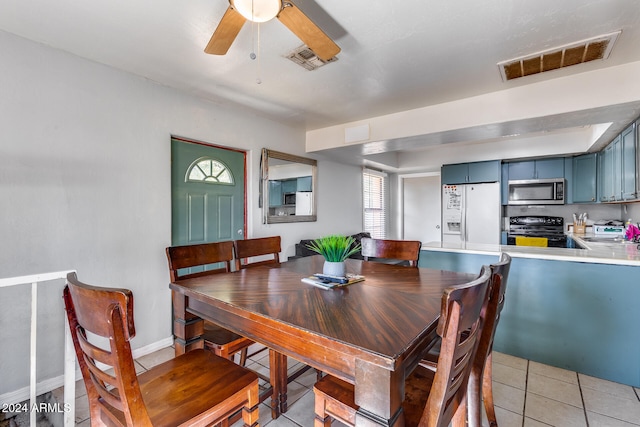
379,392
278,377
187,328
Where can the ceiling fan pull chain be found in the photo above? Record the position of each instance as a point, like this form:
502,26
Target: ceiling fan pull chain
252,55
258,79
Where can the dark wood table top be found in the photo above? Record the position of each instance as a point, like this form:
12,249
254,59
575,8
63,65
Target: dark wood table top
380,321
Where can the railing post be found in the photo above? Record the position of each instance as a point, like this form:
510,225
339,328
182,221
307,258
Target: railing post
69,352
32,355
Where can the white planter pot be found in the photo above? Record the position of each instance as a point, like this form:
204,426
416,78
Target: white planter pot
334,268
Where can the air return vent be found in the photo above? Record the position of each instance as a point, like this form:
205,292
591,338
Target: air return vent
559,57
305,57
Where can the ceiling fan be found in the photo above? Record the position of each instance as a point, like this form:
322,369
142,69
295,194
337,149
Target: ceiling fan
288,13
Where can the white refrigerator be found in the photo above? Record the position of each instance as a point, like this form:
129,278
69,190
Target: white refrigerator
471,213
304,203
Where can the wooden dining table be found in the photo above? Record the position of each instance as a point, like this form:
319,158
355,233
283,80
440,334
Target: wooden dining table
371,333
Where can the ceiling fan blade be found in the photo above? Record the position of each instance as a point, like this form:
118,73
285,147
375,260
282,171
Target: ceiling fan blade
226,33
303,27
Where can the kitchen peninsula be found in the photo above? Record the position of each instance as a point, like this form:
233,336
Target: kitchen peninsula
576,309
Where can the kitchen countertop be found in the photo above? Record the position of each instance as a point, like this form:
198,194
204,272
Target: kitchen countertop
614,253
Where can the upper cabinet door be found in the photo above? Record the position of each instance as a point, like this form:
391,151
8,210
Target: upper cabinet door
485,171
628,161
468,173
522,170
550,168
584,178
455,174
537,169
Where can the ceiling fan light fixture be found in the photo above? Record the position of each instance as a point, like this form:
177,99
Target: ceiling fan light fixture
258,10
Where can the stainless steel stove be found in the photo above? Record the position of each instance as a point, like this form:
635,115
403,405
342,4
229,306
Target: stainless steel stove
549,227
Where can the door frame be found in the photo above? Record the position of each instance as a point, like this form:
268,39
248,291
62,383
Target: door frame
244,157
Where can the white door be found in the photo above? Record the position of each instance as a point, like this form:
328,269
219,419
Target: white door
421,208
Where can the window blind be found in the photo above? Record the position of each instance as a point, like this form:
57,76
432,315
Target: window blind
374,203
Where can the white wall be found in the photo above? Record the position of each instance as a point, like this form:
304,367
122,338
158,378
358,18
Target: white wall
85,185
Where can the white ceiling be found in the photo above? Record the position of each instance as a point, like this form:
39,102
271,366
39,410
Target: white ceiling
395,55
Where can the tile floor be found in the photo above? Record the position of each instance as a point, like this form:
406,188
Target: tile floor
527,394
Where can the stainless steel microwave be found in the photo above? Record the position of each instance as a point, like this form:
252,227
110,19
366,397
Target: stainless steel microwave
537,192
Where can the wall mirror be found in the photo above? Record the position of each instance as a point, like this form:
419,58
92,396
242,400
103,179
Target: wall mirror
288,185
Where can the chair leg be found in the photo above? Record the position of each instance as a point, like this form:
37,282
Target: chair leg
487,391
243,356
474,397
321,418
460,417
250,413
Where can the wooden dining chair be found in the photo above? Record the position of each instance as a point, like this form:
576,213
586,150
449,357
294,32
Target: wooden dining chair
481,379
197,388
480,387
258,247
432,398
269,247
212,258
404,250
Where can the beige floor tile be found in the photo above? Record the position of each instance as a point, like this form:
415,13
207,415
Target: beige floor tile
510,376
553,372
156,358
308,379
528,422
608,387
512,361
602,421
552,412
552,398
554,389
611,406
508,398
302,411
507,418
81,390
82,409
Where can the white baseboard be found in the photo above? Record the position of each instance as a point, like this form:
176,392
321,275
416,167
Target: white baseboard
45,386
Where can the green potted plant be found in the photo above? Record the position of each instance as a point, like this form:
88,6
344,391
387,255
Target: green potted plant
335,249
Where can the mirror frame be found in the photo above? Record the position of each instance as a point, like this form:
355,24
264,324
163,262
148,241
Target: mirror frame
264,187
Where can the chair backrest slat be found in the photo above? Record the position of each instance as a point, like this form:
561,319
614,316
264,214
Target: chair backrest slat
405,250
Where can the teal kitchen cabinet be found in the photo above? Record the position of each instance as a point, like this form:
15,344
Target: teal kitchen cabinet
628,189
466,173
537,169
555,309
617,168
304,183
584,178
605,174
289,186
275,193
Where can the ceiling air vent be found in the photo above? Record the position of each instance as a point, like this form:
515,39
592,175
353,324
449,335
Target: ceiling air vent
559,57
305,57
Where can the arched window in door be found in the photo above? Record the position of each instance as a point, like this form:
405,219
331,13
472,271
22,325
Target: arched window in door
209,171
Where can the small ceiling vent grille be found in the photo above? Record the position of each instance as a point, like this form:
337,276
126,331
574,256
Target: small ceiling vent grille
559,57
306,58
